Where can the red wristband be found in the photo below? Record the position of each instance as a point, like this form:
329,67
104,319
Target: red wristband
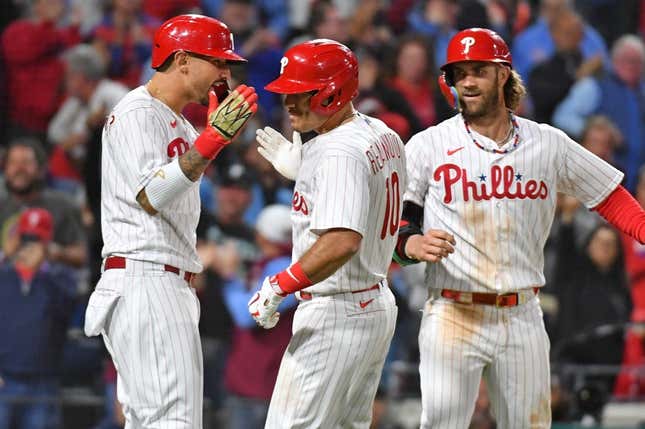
209,143
293,279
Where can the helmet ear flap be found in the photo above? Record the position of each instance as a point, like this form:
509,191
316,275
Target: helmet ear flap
449,92
335,94
326,101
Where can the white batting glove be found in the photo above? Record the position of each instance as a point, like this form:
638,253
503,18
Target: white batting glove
285,156
264,303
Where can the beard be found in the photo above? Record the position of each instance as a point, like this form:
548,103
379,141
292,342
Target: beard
488,104
26,189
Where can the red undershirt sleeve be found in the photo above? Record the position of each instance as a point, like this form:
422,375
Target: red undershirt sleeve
624,212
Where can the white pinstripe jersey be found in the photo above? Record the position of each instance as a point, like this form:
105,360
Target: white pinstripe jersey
140,135
499,207
351,177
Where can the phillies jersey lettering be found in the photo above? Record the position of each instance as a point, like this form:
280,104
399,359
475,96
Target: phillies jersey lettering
504,183
352,177
141,135
498,206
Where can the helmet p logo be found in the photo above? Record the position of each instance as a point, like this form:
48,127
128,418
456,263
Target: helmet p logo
283,63
467,42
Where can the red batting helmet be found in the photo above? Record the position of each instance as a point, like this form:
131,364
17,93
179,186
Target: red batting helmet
321,65
477,44
193,33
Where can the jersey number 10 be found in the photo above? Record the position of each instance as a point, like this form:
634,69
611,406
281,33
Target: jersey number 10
392,206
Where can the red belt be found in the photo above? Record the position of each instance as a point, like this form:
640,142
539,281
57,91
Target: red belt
118,263
505,300
306,296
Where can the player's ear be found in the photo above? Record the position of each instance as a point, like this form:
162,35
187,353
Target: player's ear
449,92
504,73
181,58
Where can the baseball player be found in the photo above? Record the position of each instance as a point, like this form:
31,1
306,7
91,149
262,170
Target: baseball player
345,212
490,179
152,160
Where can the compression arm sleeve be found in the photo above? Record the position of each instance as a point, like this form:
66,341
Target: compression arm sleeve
624,212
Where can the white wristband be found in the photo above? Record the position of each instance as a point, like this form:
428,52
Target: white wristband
167,184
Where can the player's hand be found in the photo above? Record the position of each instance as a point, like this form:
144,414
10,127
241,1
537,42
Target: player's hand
264,303
433,246
230,116
226,119
285,156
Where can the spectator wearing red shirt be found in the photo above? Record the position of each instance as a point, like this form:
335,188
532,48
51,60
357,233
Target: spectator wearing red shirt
125,39
31,47
413,79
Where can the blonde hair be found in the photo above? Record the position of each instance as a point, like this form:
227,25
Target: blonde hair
514,90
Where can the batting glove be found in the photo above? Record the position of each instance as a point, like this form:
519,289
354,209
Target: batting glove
264,303
226,119
285,156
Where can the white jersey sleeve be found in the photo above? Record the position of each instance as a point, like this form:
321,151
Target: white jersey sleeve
137,163
341,183
418,161
583,174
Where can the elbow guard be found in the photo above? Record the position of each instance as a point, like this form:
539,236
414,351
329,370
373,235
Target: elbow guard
167,184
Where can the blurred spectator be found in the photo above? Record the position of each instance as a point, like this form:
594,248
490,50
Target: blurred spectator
11,10
253,363
25,183
226,247
550,81
124,38
271,14
376,98
36,300
630,383
535,44
619,95
30,49
561,401
89,99
91,12
482,418
437,21
473,13
113,413
368,26
641,19
300,11
592,291
269,186
326,22
397,13
602,138
414,80
611,18
259,45
163,10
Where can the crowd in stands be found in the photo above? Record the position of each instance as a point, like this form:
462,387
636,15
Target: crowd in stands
64,64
